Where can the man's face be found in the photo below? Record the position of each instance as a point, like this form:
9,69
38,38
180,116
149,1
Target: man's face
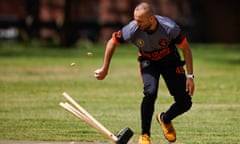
143,22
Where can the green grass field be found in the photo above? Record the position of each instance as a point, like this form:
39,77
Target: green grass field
33,77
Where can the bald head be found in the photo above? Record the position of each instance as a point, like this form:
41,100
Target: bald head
144,17
143,9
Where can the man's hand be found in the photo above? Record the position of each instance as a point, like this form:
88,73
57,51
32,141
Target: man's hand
190,86
100,74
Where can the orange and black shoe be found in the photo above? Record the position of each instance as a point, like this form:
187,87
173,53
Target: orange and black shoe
168,129
144,139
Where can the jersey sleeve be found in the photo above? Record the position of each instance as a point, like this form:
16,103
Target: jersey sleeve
176,35
125,34
174,31
180,40
117,37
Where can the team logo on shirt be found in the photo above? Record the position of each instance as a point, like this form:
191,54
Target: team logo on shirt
140,43
163,43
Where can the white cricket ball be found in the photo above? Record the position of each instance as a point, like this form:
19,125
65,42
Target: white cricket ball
89,53
73,64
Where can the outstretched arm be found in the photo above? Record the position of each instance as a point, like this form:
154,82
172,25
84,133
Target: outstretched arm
101,73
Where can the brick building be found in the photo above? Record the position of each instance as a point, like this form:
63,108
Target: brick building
70,20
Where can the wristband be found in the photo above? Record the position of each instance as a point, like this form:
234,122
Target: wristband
190,76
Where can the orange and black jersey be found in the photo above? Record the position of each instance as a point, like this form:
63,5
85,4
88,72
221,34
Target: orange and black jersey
155,45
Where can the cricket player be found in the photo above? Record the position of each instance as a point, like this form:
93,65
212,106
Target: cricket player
157,39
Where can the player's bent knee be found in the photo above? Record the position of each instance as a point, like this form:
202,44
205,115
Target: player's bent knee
184,106
187,106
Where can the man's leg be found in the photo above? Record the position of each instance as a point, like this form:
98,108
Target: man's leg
150,78
176,82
